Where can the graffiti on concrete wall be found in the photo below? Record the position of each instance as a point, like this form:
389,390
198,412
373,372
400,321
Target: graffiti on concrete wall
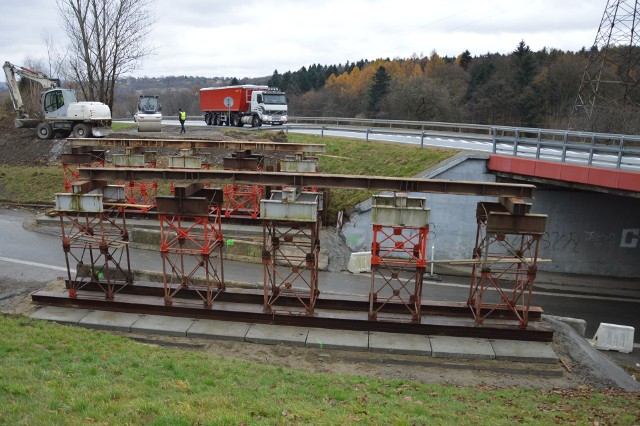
558,241
597,239
571,241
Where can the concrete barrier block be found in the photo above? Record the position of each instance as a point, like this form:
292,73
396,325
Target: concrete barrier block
614,337
359,262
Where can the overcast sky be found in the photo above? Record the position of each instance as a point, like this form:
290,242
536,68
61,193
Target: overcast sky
252,38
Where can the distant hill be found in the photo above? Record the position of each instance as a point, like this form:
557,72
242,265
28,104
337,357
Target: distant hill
148,84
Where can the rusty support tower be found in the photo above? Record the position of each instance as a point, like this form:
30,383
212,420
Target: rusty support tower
398,255
191,242
94,239
505,258
291,246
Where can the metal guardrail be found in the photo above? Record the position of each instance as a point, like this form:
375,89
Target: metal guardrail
586,148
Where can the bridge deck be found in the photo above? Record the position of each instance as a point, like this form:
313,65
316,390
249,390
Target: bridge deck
597,177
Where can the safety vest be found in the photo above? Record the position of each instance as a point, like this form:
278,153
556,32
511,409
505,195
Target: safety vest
183,115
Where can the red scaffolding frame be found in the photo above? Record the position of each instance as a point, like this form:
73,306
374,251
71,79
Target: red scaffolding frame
192,242
505,261
398,256
97,244
290,258
398,263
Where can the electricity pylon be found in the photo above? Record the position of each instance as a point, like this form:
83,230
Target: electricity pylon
609,93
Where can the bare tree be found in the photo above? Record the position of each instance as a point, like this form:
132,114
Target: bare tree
106,40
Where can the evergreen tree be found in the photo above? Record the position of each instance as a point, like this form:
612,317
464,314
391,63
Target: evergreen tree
464,59
526,65
378,89
275,80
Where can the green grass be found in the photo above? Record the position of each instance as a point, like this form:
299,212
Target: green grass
53,374
117,126
32,184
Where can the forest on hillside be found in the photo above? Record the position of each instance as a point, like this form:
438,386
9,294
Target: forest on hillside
523,88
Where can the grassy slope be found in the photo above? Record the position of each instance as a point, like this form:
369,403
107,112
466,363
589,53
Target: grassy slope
52,374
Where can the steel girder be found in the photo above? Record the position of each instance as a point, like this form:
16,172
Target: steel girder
317,180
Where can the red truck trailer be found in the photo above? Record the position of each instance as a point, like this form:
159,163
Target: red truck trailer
243,104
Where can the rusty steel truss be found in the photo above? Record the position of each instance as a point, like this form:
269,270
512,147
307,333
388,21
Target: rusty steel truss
291,246
506,257
191,242
290,259
398,255
95,242
398,263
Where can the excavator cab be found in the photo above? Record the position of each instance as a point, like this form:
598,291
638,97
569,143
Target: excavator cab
55,102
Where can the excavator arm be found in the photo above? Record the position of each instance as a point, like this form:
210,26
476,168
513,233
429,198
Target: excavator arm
11,71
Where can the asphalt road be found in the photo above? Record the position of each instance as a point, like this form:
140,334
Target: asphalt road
33,257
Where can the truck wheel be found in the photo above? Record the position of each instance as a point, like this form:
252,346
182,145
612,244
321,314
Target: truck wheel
235,121
45,131
207,119
81,130
216,120
255,121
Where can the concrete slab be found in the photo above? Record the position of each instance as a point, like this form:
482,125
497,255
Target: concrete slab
512,350
270,334
156,324
68,316
406,344
461,347
347,340
220,330
106,320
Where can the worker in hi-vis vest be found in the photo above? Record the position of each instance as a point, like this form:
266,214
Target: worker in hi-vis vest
182,116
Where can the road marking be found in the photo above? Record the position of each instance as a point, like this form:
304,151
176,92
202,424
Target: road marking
37,265
547,293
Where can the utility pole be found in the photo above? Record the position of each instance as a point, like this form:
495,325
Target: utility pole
609,95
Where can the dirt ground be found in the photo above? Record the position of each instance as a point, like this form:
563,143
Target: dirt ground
21,147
